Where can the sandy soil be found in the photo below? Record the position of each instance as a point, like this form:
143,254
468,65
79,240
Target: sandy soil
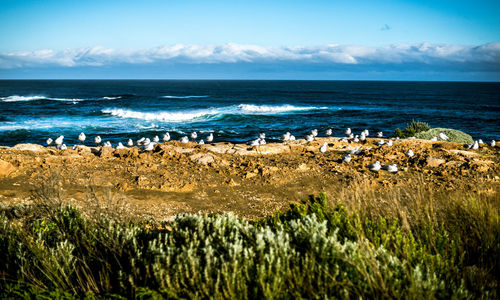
223,177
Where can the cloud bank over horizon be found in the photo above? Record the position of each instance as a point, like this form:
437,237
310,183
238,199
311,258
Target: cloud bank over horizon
325,58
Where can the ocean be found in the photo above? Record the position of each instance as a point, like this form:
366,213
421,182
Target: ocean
236,111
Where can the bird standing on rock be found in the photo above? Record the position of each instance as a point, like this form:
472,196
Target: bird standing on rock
380,134
59,140
346,158
81,137
156,139
493,143
329,132
120,146
262,136
201,142
210,137
49,141
97,140
184,140
314,132
443,136
166,137
130,143
375,166
347,131
194,135
309,138
323,148
410,153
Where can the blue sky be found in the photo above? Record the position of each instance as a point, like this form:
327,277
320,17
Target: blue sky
410,40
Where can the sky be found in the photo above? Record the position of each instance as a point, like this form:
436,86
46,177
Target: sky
188,39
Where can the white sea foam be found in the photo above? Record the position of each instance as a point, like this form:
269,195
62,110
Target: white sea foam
17,98
184,97
193,115
110,98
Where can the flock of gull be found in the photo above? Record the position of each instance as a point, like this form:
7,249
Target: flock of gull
148,144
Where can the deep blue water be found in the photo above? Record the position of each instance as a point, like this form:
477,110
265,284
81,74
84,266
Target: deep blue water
236,111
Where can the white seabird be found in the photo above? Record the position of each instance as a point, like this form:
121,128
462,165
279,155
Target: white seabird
286,137
323,147
356,139
194,135
59,140
493,143
309,138
201,142
410,153
108,144
120,146
255,142
62,147
379,143
351,136
443,136
150,146
141,141
314,132
380,134
130,143
262,141
391,168
354,151
329,132
375,166
156,139
366,132
49,141
81,137
292,138
480,141
97,140
362,136
166,137
184,140
346,158
434,139
262,135
475,146
347,131
389,143
344,140
210,137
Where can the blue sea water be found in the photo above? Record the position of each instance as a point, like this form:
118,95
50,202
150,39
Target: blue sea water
236,111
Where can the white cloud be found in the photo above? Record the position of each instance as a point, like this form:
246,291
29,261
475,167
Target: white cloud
485,57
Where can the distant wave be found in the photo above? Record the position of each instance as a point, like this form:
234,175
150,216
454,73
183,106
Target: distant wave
17,98
184,97
110,97
204,114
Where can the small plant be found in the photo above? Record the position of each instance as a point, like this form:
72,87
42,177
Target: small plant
453,135
411,129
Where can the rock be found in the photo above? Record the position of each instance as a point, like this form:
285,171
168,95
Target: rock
126,152
6,168
202,158
83,149
434,161
249,175
105,152
29,147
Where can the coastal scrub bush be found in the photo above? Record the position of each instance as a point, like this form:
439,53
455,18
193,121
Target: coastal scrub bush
456,136
411,129
312,249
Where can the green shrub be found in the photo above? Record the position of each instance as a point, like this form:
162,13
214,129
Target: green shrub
411,129
453,135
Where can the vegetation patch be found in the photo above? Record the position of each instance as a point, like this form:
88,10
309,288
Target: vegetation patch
312,249
453,135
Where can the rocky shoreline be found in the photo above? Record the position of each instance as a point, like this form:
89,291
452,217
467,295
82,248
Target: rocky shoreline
251,181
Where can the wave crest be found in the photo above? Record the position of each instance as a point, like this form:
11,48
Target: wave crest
17,98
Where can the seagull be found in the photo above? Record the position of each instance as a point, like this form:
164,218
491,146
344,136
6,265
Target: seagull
443,136
480,141
146,141
141,141
309,138
375,166
120,146
348,131
81,137
389,143
367,133
108,144
391,168
292,138
379,143
314,132
410,153
351,136
194,135
286,137
201,142
354,151
49,141
210,137
475,146
492,143
329,132
356,139
59,140
344,140
156,139
166,137
149,146
362,137
184,140
346,158
62,147
262,141
97,140
130,143
380,134
434,139
323,148
262,136
255,142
